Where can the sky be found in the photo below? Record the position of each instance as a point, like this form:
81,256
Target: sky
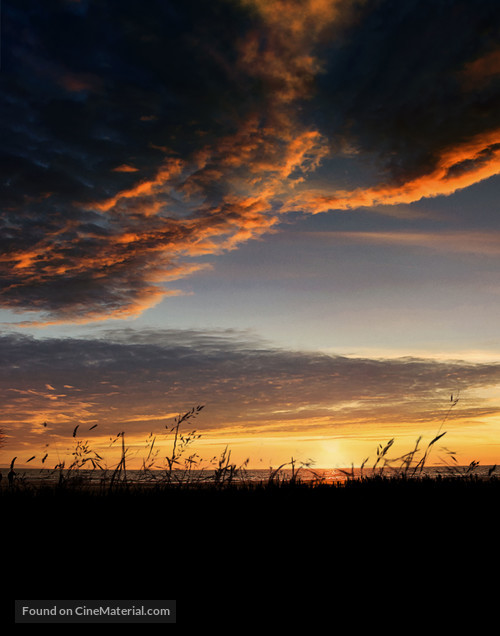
283,211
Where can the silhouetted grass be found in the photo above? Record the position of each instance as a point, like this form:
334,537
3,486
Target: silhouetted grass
183,480
226,547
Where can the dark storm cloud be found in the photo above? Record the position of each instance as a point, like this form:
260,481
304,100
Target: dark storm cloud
400,83
139,135
138,380
97,96
104,83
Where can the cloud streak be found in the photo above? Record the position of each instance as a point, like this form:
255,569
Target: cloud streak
460,242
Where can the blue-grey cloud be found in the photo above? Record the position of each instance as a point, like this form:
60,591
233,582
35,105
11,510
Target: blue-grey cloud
395,86
138,381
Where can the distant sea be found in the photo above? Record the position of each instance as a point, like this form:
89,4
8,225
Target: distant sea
325,475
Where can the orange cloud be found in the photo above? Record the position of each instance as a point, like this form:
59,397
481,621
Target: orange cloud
169,170
77,83
459,167
287,62
125,168
307,20
132,307
481,71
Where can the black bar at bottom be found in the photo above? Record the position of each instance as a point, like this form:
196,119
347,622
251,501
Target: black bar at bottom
95,611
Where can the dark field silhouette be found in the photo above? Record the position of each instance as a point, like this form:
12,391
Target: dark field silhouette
283,551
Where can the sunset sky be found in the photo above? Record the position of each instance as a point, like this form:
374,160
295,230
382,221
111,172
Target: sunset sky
284,210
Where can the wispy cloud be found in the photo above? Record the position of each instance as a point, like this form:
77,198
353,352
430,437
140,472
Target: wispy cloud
466,242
